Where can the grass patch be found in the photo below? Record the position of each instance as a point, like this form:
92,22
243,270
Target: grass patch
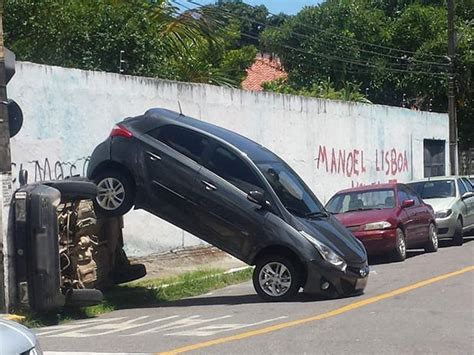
146,293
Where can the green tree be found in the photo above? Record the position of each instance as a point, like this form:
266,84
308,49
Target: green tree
251,19
396,50
89,34
220,62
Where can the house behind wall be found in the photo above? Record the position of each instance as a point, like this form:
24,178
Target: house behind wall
331,144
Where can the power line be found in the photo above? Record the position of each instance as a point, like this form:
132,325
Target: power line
337,35
320,55
352,62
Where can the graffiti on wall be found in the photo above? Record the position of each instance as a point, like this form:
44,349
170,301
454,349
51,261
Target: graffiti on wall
354,163
46,169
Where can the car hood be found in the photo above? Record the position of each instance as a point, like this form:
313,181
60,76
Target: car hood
439,204
359,218
15,338
333,234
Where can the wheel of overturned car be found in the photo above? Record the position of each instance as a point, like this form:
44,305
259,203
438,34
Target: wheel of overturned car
432,244
276,278
400,252
116,193
458,235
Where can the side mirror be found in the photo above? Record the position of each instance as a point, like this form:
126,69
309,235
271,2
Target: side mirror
408,203
467,195
258,198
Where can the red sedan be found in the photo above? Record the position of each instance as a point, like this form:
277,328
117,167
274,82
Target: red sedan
386,218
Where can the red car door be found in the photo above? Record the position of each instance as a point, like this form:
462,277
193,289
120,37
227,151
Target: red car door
422,217
409,216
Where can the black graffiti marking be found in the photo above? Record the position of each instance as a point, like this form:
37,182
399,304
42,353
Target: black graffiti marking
43,171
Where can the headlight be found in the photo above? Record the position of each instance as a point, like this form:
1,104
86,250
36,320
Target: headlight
443,213
326,252
377,225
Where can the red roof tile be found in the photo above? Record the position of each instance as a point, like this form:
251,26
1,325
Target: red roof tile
263,69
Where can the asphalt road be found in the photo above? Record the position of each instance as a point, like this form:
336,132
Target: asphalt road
422,305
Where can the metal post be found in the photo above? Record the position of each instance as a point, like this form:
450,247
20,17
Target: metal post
453,122
121,62
5,160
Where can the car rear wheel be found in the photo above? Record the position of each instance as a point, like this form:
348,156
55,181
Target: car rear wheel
116,193
400,252
276,278
432,244
458,235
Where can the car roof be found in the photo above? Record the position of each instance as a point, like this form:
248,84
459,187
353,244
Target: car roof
254,151
435,178
370,188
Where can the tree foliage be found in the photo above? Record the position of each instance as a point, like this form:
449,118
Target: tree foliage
157,38
353,41
324,90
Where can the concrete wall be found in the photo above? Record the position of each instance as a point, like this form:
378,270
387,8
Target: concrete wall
333,145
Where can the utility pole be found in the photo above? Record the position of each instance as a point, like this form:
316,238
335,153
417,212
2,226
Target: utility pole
453,121
5,160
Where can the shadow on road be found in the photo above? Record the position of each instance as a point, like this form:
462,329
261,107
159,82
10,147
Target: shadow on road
245,299
443,243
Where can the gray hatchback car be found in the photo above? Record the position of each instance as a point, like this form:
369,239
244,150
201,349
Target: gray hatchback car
234,194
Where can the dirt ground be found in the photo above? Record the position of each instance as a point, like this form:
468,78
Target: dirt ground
178,261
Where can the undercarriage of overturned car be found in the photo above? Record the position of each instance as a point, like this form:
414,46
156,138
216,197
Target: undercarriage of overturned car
64,254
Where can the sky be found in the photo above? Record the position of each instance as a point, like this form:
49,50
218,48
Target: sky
290,7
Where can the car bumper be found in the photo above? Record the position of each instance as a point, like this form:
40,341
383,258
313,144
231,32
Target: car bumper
446,227
378,241
352,281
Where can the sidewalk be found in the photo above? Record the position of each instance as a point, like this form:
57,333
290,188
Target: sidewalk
179,261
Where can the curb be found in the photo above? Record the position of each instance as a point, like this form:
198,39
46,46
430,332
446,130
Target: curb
20,319
12,317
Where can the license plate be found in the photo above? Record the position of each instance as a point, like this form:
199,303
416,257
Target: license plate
361,283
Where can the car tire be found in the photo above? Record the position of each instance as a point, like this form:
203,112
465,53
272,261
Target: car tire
116,193
400,252
458,234
431,245
276,278
83,297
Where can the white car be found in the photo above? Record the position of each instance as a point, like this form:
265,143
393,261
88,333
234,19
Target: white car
452,199
17,339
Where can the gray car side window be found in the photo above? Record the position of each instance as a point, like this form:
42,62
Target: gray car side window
468,184
185,141
232,168
461,187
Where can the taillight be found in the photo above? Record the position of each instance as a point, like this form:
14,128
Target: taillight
120,131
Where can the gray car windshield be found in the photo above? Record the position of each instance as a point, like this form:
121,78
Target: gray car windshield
362,201
435,189
291,190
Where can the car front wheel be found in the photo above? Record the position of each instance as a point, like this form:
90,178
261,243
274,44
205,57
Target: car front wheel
400,252
458,234
276,278
116,193
432,244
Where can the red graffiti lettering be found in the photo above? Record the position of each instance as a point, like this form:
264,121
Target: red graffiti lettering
323,157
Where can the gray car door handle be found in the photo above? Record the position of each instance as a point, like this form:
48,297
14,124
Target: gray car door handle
208,186
153,157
